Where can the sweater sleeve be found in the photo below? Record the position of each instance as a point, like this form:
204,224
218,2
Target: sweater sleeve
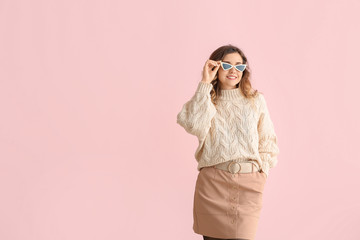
268,148
196,114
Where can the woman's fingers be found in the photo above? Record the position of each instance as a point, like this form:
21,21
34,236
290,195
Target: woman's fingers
213,65
210,69
217,65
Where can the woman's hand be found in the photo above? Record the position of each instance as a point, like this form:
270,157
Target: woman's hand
209,71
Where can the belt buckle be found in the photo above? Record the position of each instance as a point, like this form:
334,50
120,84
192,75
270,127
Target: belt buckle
239,167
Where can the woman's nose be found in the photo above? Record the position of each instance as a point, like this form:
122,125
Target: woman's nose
232,70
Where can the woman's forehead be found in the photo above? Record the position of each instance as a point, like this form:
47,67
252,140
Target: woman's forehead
233,58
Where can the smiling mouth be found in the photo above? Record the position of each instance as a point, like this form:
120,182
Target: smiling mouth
231,77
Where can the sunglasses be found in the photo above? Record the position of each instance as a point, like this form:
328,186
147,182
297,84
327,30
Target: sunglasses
228,66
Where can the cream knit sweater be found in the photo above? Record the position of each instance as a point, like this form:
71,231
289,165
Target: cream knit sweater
233,130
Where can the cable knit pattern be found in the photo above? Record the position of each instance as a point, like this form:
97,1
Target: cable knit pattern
235,129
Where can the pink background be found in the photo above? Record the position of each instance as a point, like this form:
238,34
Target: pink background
90,90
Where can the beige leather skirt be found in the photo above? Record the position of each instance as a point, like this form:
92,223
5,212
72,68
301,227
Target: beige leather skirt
227,205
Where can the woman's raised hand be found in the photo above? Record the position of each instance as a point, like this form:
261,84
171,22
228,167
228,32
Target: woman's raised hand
209,71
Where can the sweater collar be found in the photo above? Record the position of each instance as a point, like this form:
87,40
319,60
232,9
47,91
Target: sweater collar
230,94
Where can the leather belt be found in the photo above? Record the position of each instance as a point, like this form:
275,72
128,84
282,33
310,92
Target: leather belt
237,167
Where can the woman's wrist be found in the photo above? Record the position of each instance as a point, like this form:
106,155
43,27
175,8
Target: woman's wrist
204,81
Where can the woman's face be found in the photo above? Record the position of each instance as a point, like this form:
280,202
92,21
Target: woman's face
223,76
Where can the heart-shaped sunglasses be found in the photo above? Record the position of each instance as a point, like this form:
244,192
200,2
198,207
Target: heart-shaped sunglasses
228,66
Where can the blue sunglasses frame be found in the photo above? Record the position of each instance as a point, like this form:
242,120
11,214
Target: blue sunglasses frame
239,67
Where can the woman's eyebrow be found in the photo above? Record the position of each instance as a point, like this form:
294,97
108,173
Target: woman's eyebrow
230,62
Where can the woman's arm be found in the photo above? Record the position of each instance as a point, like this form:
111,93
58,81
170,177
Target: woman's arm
268,148
196,114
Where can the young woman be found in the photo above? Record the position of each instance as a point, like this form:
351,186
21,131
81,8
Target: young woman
237,147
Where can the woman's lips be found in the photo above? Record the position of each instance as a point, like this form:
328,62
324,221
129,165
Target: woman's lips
231,77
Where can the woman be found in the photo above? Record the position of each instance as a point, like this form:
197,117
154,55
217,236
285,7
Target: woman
237,147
